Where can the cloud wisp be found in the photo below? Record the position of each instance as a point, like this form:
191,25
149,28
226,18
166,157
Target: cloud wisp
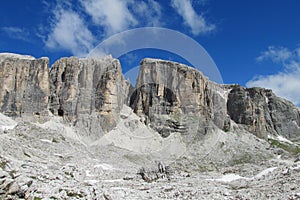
69,32
197,23
113,15
16,33
285,83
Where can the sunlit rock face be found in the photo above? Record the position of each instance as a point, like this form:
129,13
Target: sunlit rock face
174,97
168,96
263,112
88,92
24,85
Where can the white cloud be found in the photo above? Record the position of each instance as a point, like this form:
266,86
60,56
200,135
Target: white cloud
151,12
16,33
197,23
276,54
113,15
69,29
286,83
69,32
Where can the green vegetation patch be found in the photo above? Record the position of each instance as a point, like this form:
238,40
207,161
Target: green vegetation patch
291,148
246,158
3,164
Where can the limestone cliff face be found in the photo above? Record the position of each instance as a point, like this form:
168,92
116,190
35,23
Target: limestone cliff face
89,92
169,97
262,112
24,85
175,97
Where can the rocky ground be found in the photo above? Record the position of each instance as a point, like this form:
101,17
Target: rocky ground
48,161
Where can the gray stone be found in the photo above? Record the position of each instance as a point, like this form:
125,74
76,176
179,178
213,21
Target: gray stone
262,112
24,85
153,173
13,188
178,98
173,97
88,92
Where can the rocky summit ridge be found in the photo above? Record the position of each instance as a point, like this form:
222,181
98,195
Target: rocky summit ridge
169,96
79,126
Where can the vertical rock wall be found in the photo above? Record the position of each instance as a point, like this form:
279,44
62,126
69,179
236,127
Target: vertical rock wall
88,92
169,96
24,85
262,112
175,97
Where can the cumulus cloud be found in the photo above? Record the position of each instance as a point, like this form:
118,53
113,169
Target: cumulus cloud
285,83
197,23
16,33
69,32
113,15
77,25
276,55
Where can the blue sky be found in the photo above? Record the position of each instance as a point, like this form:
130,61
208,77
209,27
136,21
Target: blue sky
252,42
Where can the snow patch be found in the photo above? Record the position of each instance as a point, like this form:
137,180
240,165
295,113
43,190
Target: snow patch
224,93
91,182
232,177
6,123
18,56
46,140
280,138
267,100
104,166
88,173
265,172
228,178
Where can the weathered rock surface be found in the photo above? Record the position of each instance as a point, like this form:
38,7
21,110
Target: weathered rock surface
173,97
170,97
263,112
47,163
88,92
205,128
176,98
24,85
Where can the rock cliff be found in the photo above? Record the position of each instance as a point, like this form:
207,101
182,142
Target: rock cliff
262,112
169,97
24,85
173,97
88,92
92,144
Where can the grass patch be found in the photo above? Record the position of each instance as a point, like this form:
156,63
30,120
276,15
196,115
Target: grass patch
3,164
73,194
246,158
291,148
12,173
